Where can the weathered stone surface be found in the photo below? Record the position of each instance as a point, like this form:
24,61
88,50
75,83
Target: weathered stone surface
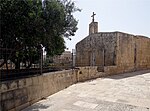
142,53
124,92
49,84
13,85
22,83
124,51
18,94
93,27
29,81
7,104
97,50
7,96
4,87
35,80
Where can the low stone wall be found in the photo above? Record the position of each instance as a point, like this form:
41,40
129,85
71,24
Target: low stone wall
19,94
88,73
110,70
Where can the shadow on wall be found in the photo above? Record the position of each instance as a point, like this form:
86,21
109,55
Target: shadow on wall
126,75
37,107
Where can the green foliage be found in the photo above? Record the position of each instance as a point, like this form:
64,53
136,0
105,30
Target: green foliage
26,25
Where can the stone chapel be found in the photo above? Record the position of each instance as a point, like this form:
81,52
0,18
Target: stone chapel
115,51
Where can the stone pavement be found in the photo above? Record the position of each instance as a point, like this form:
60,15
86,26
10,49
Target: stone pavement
124,92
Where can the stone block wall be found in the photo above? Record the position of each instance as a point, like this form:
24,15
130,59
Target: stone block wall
132,53
142,53
88,73
125,52
114,52
93,27
97,50
19,94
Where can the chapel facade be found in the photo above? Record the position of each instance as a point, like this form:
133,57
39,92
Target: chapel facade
116,51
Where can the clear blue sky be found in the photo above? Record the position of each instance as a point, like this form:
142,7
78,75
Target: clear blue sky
131,16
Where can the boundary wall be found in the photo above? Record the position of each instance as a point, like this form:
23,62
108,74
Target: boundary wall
19,94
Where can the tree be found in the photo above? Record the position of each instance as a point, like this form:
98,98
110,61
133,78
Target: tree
29,25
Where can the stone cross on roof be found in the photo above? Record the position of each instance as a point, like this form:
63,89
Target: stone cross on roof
93,16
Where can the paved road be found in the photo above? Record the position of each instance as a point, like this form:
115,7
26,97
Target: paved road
125,92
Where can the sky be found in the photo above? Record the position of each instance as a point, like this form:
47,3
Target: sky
130,16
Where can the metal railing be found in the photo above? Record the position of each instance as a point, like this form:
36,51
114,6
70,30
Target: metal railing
43,64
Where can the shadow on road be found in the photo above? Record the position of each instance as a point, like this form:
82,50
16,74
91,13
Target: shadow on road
129,74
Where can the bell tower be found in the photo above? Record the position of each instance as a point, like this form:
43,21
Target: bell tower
93,26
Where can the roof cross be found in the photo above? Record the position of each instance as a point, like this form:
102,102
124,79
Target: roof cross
93,16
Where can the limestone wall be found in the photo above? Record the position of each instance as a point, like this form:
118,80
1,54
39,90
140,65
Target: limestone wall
114,52
125,52
132,53
18,94
93,27
142,53
88,73
97,50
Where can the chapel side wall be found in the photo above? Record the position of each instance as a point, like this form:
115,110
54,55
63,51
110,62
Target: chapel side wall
133,52
142,53
125,52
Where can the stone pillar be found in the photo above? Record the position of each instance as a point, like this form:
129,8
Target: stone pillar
93,27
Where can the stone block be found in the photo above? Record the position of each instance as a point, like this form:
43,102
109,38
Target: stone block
8,104
45,79
7,95
30,92
13,85
35,80
20,96
29,82
4,87
22,83
40,79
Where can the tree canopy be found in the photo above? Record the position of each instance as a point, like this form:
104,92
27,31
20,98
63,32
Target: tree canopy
29,25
